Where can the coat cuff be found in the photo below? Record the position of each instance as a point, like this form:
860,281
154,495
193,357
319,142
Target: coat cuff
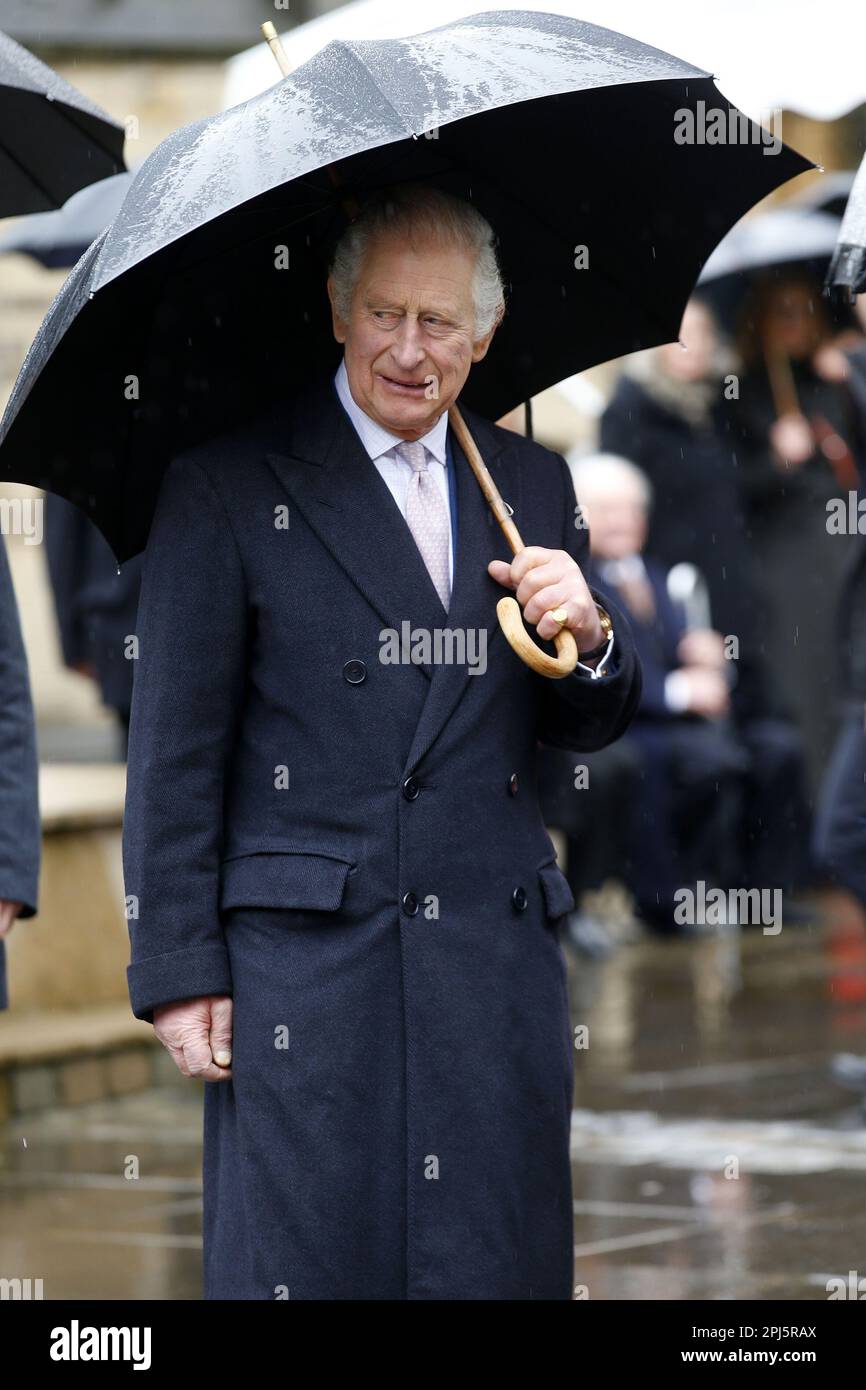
187,974
606,664
23,889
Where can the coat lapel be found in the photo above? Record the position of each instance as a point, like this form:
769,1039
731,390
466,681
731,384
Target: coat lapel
474,594
326,470
342,495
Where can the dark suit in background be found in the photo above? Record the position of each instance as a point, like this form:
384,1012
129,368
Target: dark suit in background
96,607
718,800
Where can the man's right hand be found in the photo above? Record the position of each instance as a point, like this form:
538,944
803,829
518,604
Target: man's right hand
198,1035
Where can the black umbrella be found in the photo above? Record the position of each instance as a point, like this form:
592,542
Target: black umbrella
181,318
780,237
776,244
846,276
53,140
58,239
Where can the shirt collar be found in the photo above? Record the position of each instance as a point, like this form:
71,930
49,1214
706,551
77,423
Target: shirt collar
378,441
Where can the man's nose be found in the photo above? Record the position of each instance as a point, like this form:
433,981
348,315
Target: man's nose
407,348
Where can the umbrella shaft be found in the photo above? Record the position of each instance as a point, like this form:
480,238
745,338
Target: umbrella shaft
485,481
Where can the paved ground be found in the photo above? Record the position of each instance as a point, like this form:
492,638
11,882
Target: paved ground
714,1157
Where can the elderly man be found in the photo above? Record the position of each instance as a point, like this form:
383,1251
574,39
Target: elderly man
343,902
719,796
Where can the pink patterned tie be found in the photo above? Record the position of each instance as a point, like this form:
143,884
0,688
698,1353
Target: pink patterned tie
427,517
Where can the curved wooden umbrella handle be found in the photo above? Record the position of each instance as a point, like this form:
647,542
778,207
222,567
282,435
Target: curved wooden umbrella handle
511,622
508,609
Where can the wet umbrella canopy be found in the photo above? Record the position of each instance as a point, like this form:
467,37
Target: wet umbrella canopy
771,246
59,238
53,140
206,297
782,237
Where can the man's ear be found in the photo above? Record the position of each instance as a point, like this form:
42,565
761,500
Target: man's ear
339,324
479,349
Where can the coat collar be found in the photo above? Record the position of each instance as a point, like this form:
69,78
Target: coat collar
314,450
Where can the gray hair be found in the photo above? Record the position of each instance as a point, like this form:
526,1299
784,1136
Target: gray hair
607,470
414,211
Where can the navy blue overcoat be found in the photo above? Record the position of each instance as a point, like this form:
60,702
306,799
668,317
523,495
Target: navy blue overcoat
352,847
20,830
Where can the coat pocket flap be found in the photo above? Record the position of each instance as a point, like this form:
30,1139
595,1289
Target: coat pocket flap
284,879
558,896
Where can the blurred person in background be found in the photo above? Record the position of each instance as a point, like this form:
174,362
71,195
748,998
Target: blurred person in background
96,606
797,439
840,829
20,831
671,415
840,825
718,798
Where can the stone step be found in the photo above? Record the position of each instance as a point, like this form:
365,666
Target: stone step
77,1056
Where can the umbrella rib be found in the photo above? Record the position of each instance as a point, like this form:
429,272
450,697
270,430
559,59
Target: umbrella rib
30,176
347,48
68,113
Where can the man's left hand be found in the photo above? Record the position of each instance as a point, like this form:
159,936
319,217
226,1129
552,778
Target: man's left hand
547,579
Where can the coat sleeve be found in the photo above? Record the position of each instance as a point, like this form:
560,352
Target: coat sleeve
20,830
186,695
580,712
65,536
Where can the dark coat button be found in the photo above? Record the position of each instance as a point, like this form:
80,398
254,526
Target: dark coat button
410,904
411,788
355,672
513,784
519,899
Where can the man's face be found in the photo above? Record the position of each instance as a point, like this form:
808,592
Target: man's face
409,339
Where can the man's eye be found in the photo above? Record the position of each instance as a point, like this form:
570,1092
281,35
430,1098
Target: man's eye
383,314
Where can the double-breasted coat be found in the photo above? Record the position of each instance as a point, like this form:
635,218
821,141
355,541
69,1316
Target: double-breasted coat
352,847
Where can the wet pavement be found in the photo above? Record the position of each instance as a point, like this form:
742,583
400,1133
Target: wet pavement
714,1156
